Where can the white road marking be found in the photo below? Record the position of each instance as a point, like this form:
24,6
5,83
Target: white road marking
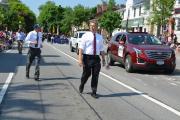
173,84
169,78
5,86
8,51
130,88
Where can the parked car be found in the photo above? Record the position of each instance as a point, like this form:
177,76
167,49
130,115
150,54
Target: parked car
137,50
75,40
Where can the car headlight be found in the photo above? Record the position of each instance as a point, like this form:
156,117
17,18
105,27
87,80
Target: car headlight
138,52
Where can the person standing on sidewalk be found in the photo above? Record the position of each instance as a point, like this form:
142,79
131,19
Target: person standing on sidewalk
34,39
90,48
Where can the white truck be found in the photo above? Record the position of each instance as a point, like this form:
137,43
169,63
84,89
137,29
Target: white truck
75,40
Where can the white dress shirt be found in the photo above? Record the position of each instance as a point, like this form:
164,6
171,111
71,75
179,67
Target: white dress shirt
32,37
87,43
20,35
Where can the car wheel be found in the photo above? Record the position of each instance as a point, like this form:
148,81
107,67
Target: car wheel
128,64
71,48
110,60
77,50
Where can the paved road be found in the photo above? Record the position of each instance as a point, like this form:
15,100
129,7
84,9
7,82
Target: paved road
122,95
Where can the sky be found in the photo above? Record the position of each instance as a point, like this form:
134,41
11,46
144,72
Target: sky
34,4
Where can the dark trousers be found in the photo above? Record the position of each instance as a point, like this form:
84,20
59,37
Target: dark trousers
32,54
20,45
92,65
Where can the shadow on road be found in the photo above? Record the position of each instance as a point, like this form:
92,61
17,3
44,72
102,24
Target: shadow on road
176,72
62,78
50,56
151,72
10,61
27,99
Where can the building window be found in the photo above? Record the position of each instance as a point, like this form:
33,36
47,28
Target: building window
134,12
178,24
128,14
178,2
140,11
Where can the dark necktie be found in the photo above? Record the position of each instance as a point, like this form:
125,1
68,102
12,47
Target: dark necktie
36,45
94,44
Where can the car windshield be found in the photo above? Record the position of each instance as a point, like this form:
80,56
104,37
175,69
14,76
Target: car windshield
143,39
80,35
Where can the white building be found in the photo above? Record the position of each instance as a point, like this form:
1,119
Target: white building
177,19
4,3
135,15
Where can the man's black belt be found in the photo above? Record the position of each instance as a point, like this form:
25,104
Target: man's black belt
91,56
33,48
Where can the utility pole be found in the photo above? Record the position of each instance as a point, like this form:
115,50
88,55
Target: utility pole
127,21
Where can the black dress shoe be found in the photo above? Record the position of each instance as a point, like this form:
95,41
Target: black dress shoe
81,88
94,95
36,79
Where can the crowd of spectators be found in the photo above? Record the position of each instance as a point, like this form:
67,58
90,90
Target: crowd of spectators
6,39
53,38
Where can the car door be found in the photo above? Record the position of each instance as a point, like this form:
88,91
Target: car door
121,47
114,45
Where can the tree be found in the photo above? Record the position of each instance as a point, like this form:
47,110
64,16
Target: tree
109,21
81,15
93,12
76,17
2,14
161,12
111,4
18,15
67,21
50,15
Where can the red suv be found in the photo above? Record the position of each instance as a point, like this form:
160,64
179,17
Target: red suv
136,50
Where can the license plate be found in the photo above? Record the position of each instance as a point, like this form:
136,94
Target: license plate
160,62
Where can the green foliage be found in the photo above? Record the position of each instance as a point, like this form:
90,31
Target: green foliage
67,21
161,11
81,14
75,17
111,4
50,15
18,15
110,20
2,14
93,12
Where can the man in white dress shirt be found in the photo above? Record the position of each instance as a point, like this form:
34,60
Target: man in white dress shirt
34,39
90,48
